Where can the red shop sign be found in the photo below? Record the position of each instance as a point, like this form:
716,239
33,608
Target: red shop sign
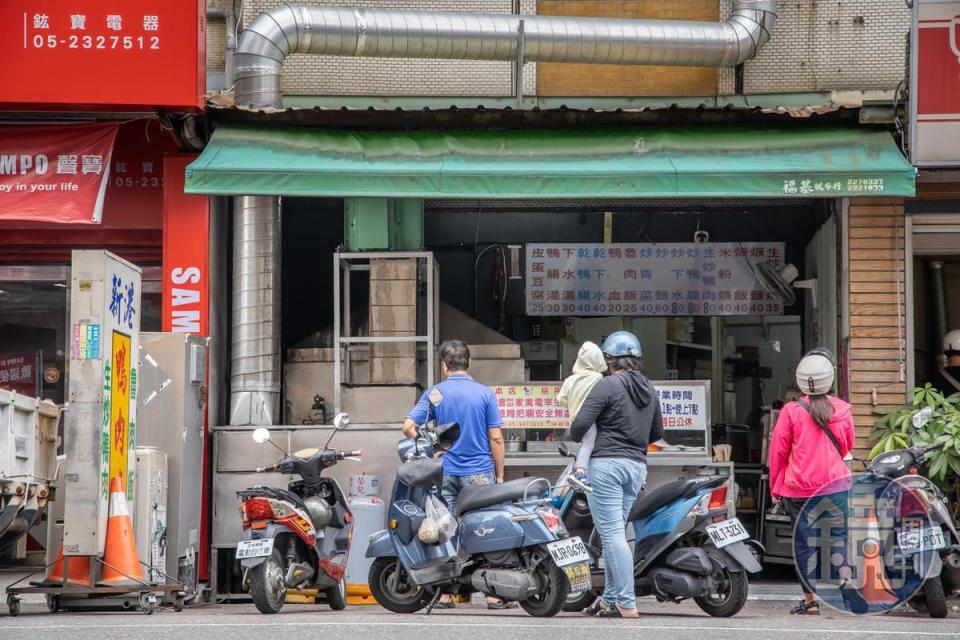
19,371
935,130
55,173
90,53
186,251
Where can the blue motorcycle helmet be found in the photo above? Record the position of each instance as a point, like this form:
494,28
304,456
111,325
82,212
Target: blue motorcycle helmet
622,344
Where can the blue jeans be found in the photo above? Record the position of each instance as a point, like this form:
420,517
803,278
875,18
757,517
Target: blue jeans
452,485
616,483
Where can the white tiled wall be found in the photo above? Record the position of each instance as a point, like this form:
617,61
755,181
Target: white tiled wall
821,45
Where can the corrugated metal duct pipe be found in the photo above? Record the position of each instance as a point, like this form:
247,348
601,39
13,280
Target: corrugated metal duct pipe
255,345
289,28
385,33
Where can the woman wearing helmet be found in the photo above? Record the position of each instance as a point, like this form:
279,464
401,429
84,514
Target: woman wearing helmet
813,436
626,410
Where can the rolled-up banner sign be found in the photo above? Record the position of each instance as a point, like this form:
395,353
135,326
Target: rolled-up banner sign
55,173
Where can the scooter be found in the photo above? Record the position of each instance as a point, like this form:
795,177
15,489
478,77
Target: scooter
297,538
685,546
508,543
927,542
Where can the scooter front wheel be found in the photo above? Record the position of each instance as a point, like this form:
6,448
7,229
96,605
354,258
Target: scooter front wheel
394,589
267,585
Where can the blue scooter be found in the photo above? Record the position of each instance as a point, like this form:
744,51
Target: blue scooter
685,546
509,542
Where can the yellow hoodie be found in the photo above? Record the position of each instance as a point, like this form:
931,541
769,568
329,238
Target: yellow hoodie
587,371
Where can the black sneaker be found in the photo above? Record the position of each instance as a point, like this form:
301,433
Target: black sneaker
596,608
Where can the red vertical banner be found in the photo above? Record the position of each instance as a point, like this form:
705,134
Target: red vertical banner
186,293
186,252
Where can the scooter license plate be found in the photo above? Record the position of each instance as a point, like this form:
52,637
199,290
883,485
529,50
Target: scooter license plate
726,532
578,575
914,540
569,551
254,548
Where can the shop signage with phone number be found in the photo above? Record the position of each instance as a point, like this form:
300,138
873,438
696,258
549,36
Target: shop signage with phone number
683,405
531,406
662,279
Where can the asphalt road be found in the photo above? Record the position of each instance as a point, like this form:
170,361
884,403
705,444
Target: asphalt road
759,620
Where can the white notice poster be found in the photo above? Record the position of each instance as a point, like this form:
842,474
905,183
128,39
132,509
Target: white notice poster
663,279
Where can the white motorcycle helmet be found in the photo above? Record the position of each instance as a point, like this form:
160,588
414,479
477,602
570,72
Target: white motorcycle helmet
951,342
815,373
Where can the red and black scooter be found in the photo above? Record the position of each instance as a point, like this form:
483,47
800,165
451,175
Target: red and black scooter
299,537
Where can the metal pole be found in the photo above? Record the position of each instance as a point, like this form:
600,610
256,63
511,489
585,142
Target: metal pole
518,65
347,364
336,332
431,338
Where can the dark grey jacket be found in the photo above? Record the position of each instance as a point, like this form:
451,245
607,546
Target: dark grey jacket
626,409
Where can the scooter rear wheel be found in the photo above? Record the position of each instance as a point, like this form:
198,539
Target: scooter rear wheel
393,588
734,590
579,602
934,598
267,586
337,596
549,602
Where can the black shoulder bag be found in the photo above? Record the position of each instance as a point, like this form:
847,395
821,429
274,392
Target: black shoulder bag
823,427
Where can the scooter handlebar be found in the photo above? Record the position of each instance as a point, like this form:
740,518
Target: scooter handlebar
272,467
349,454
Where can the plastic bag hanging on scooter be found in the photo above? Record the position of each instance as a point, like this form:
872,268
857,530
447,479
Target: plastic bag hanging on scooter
439,525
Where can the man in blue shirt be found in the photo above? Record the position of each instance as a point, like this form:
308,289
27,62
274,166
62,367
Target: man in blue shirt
477,456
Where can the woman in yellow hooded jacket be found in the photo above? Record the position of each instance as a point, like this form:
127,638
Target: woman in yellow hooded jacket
587,372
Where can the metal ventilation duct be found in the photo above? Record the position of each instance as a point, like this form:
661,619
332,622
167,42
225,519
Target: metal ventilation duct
384,33
290,28
255,348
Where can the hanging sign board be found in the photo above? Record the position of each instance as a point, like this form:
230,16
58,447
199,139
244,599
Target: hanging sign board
96,53
935,84
663,279
100,427
531,406
55,173
684,405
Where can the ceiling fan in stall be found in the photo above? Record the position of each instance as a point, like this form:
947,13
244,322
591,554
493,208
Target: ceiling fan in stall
780,283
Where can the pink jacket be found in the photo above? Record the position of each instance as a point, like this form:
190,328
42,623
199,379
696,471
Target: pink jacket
803,461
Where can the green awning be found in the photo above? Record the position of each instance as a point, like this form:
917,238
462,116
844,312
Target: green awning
635,162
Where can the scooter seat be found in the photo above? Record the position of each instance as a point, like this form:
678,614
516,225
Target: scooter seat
647,503
485,495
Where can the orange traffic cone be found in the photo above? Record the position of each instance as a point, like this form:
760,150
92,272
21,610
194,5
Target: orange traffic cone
121,564
79,570
876,588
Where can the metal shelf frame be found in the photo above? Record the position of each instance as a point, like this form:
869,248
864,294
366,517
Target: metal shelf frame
344,264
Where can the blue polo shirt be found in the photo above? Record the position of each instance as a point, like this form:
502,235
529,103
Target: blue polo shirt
471,405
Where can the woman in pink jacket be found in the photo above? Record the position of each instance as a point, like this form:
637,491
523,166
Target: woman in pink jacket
813,436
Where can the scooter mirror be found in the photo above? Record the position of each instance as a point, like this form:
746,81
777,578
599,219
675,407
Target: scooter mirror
563,449
341,420
261,435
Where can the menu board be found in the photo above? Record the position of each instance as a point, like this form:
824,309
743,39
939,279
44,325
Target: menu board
662,279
